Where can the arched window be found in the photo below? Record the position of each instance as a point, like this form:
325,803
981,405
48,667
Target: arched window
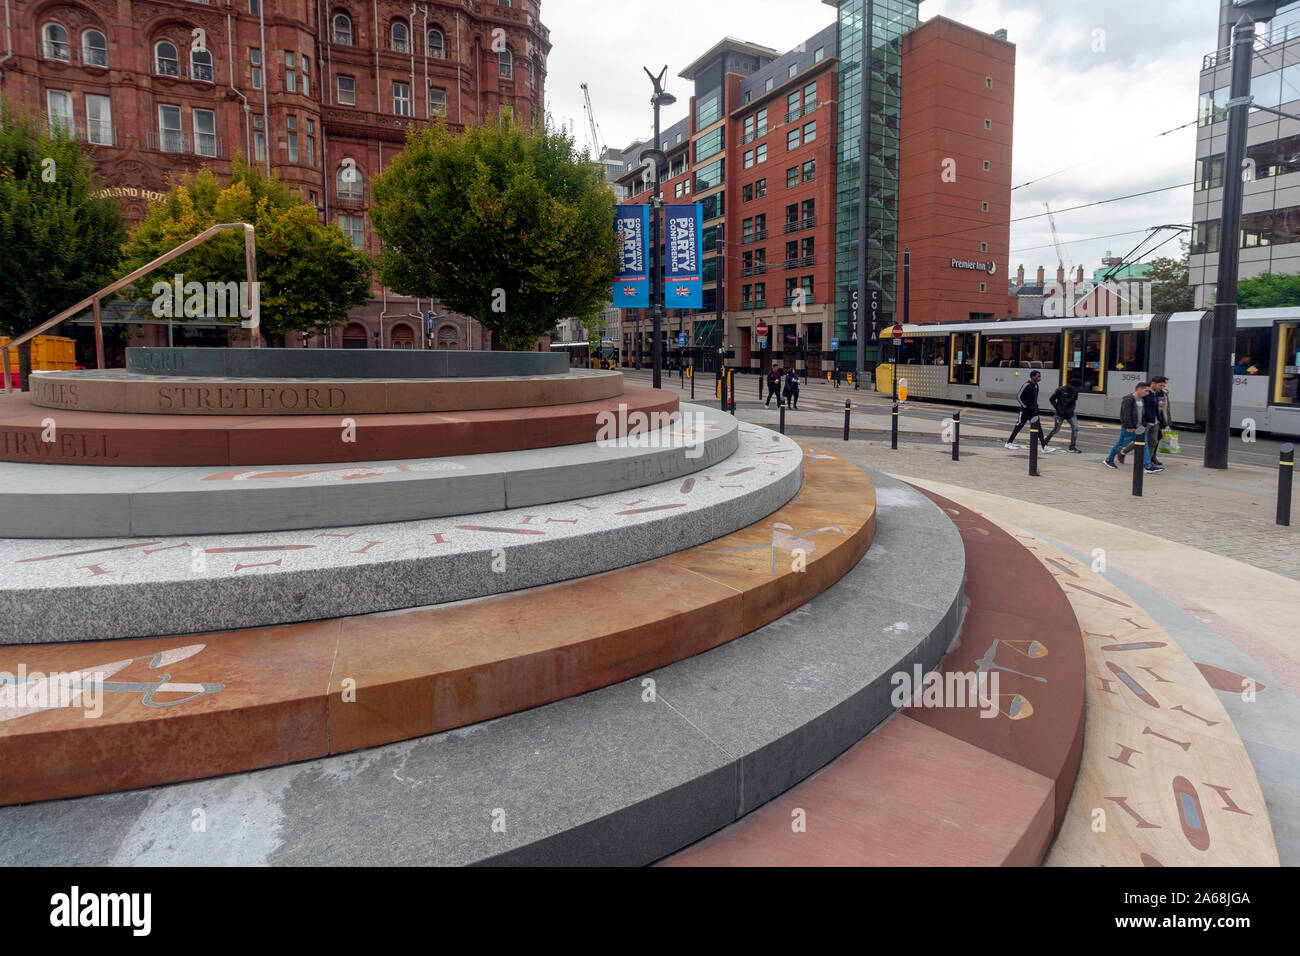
55,38
434,45
347,181
165,62
342,29
401,38
94,48
354,336
505,65
201,65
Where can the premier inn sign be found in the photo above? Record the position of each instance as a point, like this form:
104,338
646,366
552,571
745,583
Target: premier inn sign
990,267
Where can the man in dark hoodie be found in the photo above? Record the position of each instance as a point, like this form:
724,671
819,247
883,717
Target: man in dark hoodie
1028,399
1063,401
773,385
1131,413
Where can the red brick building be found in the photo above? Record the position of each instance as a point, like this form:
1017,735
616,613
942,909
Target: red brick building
759,150
162,87
954,188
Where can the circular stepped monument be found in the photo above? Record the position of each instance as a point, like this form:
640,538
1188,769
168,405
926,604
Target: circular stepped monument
235,592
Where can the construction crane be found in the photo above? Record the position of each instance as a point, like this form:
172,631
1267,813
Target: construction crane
597,146
1056,237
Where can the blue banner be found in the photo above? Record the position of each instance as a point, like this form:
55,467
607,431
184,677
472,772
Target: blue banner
632,281
683,284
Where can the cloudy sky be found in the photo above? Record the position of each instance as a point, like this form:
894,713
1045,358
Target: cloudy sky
1073,103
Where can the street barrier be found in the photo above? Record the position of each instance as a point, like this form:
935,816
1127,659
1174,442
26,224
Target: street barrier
1285,468
956,435
1034,426
1139,453
847,406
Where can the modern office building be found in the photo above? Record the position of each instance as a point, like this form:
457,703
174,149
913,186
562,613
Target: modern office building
1269,236
770,148
159,88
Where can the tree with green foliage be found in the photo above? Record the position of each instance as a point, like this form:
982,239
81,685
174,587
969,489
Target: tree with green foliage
1269,290
507,225
1171,289
308,273
59,241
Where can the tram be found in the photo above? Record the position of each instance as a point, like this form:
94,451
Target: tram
580,356
985,363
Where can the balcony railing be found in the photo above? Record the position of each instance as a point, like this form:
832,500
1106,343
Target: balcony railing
173,141
791,263
758,269
401,46
166,68
749,306
758,236
793,298
96,132
94,58
201,72
801,112
798,224
56,50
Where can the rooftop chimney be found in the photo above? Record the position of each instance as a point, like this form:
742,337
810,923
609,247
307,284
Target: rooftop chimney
1020,275
1040,275
1060,275
1078,276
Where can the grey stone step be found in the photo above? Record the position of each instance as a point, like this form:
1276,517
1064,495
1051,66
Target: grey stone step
82,501
78,589
607,777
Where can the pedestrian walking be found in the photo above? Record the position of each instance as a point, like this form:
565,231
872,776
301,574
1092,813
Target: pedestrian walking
1027,397
1131,412
835,376
1157,412
773,385
791,388
1063,402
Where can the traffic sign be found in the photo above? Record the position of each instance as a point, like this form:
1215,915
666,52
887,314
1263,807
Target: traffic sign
762,327
898,332
762,341
835,344
681,339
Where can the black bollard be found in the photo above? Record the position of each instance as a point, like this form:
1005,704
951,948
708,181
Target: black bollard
722,393
692,384
893,427
1139,453
731,382
1034,425
1285,468
956,435
846,419
782,408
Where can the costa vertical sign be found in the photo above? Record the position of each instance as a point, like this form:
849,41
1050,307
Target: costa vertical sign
632,281
683,283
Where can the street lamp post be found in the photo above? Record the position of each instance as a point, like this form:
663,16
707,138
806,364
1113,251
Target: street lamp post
660,98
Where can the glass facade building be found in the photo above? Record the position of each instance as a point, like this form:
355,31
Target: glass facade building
886,21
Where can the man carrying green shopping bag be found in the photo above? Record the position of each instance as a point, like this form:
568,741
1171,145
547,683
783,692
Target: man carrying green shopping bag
1161,435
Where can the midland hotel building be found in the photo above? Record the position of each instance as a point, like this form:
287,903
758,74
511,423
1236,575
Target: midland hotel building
770,147
158,88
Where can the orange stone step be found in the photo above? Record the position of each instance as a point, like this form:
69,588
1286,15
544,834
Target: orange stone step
194,706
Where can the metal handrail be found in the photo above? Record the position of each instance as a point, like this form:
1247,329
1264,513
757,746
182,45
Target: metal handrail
250,266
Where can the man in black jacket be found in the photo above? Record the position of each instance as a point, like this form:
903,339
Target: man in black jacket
1063,401
1131,414
1028,399
1157,415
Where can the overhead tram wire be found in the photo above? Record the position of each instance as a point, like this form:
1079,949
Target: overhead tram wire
1122,149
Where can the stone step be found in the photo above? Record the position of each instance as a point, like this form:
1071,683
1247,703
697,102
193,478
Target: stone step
266,696
76,501
85,588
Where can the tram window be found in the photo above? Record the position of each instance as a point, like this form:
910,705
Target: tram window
963,369
930,350
1250,353
1128,351
1085,356
1000,352
1286,388
1039,351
